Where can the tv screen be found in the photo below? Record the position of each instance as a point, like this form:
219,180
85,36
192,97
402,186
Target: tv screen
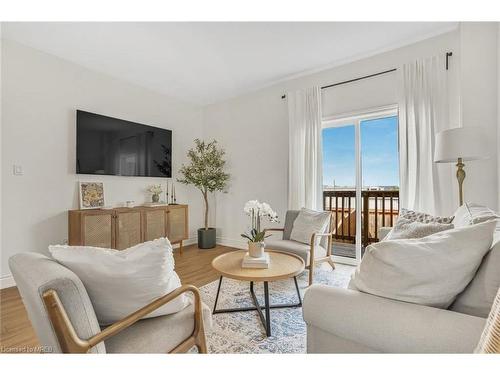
110,146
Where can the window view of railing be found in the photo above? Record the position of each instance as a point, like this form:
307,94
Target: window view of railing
379,208
361,152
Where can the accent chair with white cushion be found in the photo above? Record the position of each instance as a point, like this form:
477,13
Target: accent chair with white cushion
319,241
64,319
350,321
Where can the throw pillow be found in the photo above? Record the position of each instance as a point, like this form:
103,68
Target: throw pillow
405,228
423,217
121,282
472,213
428,271
307,223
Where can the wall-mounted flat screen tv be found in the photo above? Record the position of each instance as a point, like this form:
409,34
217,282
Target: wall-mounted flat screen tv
110,146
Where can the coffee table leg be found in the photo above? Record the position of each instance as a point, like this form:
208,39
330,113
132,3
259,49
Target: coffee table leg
265,319
298,291
268,309
217,296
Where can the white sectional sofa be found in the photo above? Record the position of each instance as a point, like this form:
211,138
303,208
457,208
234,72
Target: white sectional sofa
347,321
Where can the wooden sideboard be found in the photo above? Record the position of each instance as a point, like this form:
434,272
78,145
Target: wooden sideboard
120,228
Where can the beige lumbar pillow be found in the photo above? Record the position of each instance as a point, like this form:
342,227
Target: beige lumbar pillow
428,271
307,223
121,282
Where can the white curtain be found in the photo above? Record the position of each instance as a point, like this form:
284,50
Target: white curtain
305,178
423,112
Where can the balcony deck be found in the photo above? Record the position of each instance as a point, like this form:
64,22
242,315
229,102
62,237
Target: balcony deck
343,249
379,208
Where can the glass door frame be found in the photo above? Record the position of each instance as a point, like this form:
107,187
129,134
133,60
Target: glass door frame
355,119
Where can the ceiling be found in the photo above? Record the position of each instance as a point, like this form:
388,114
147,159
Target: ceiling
207,62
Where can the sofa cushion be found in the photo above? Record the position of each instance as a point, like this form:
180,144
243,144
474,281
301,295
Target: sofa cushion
428,271
405,228
423,217
297,248
478,297
309,222
157,335
121,282
472,213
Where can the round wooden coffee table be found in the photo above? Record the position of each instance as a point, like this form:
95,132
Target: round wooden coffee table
282,266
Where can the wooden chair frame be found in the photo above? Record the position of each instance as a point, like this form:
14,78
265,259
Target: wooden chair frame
70,342
489,343
312,261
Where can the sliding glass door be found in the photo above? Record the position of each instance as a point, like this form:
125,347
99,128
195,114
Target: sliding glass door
360,178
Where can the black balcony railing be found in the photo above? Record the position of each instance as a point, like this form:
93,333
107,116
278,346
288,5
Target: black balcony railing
379,208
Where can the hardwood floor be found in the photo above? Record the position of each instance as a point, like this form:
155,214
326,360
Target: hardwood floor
193,267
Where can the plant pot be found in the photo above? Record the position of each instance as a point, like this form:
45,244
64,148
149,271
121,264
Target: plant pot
206,238
256,249
155,198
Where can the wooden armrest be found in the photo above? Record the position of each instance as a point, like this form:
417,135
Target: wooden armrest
71,343
314,235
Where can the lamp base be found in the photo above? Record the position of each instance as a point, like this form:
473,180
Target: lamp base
460,178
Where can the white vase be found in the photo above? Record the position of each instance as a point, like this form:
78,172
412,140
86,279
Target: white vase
256,249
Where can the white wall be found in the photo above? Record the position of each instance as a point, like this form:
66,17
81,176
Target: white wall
1,152
254,128
40,94
478,46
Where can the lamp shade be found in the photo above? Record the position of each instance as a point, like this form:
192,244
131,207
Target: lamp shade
466,143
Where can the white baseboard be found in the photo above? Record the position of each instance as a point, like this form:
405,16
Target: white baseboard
7,282
231,242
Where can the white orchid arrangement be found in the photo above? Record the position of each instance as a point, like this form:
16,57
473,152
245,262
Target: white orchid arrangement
257,211
155,189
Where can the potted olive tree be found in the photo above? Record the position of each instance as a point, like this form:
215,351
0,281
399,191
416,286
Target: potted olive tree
206,172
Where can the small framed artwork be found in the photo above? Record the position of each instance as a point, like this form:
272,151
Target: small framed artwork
91,195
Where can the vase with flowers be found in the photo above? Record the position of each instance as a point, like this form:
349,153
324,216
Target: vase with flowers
257,211
155,190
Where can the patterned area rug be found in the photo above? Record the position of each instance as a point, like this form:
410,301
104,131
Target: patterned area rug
242,332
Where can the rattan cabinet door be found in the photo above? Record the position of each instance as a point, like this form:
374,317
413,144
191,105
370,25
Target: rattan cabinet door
128,229
98,230
177,223
155,224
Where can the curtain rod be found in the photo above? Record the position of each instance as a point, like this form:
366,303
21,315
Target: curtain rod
358,79
448,54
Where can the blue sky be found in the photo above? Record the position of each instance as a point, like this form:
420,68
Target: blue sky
379,153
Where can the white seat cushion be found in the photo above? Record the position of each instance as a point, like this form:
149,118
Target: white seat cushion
157,335
297,248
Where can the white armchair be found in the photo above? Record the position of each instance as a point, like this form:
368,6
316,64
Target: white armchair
64,320
312,253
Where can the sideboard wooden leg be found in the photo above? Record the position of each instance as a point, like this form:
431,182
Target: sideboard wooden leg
180,247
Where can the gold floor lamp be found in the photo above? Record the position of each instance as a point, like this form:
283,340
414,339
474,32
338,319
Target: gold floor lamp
458,145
